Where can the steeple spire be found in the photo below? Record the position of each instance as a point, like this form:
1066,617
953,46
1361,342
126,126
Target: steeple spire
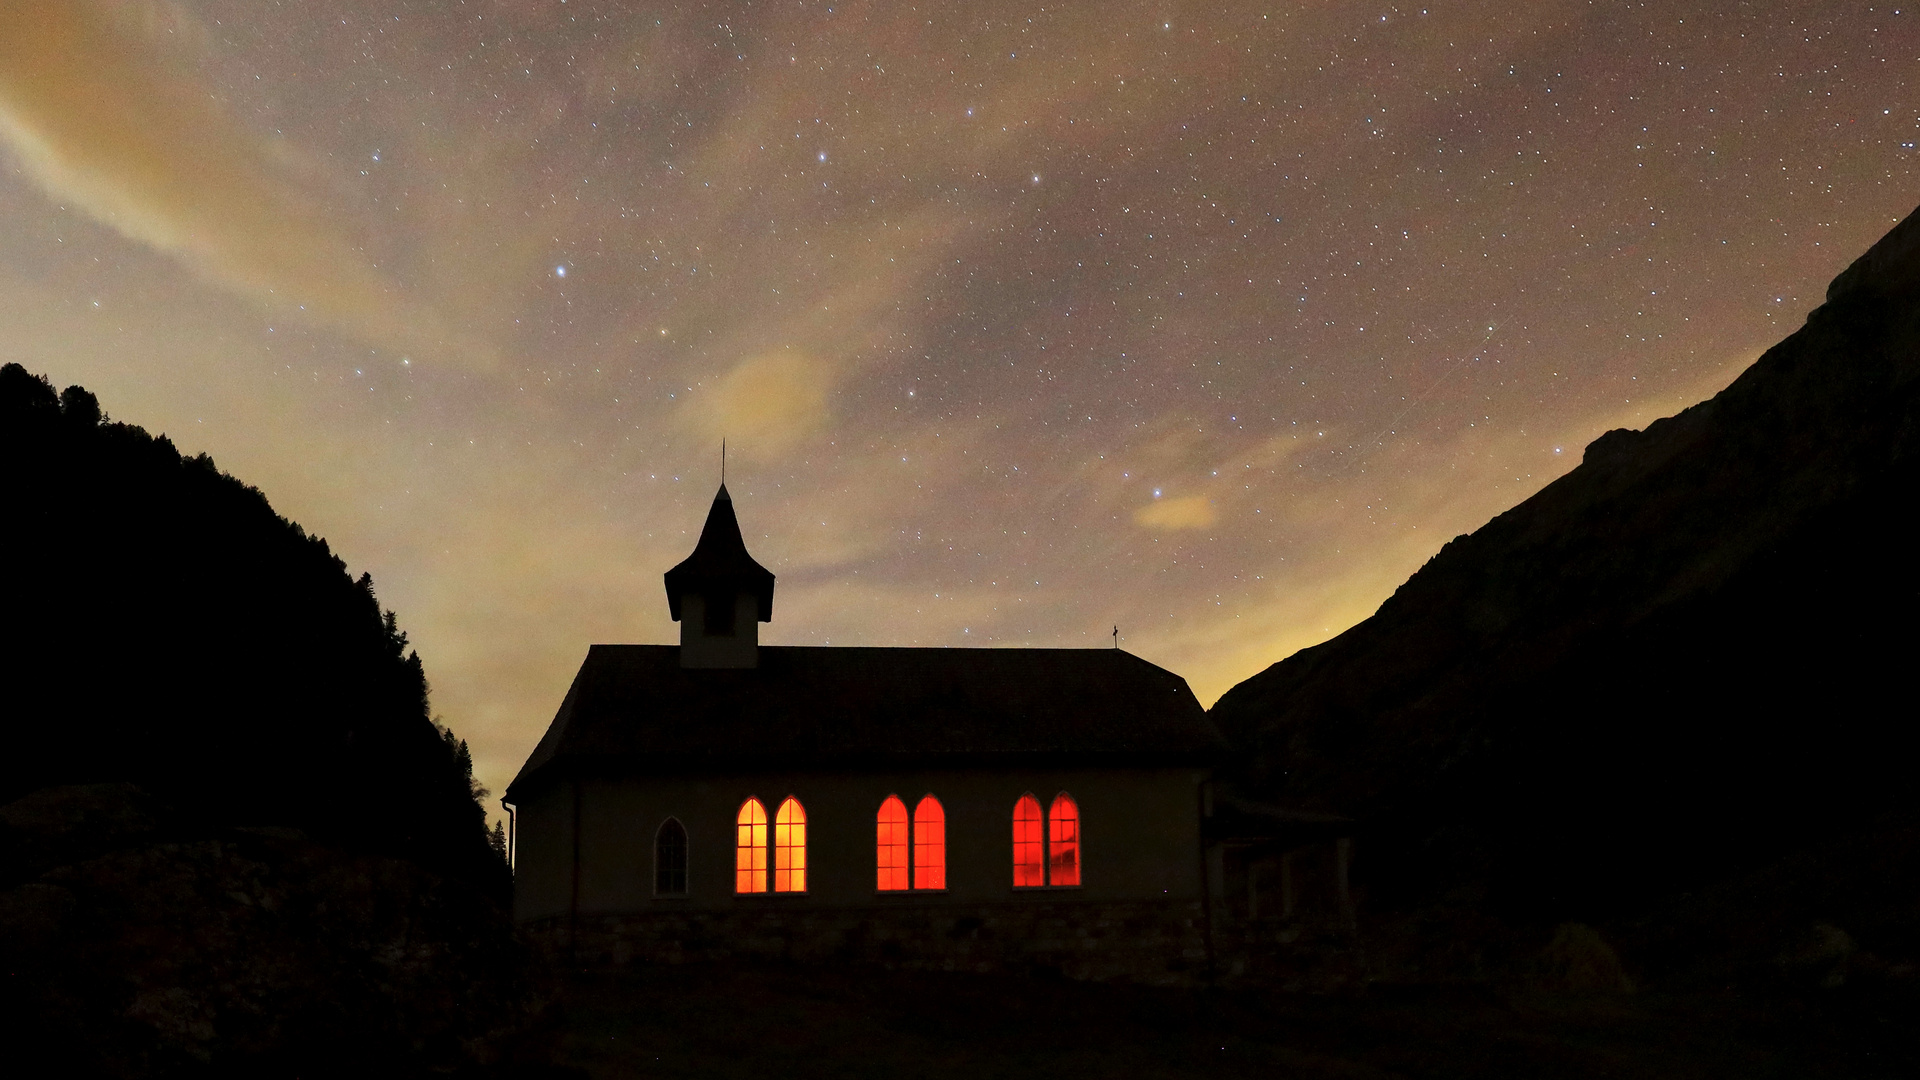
719,595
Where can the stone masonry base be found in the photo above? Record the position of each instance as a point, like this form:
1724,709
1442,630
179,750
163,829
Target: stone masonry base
1153,942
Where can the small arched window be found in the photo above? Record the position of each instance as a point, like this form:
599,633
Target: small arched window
750,848
1029,844
929,845
790,847
890,845
1063,841
670,859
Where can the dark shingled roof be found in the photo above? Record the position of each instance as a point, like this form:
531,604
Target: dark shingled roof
720,563
634,709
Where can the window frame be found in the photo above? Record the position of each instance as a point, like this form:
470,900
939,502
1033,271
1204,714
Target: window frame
773,849
913,846
905,846
1014,863
686,860
765,871
1046,843
1079,842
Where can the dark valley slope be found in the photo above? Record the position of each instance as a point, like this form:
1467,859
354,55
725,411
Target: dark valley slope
232,840
1692,656
168,629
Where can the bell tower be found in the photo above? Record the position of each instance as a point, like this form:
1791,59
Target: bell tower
719,595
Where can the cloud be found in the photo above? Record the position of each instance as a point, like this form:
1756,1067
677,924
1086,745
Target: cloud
767,404
1186,512
106,123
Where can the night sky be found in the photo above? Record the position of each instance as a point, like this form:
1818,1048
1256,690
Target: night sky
1213,321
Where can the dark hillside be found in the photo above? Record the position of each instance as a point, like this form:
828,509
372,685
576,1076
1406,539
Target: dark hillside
168,629
1687,659
232,840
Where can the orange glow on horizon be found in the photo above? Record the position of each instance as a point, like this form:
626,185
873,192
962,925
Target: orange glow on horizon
790,847
929,845
891,845
1029,846
750,849
1063,841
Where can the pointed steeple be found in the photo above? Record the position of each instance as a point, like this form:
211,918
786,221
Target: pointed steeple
719,595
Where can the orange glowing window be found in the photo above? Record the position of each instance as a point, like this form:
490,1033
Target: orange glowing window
790,847
891,845
750,849
1029,846
929,845
1063,841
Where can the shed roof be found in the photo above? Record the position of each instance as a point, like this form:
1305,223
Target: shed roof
633,709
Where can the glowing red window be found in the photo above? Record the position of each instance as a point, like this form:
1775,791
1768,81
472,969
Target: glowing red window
1063,841
929,845
750,849
790,847
891,845
1029,844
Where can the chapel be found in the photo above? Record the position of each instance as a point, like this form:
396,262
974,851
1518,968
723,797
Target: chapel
945,808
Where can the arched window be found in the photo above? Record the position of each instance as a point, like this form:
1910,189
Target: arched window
670,859
790,847
891,845
1029,844
750,849
1063,841
929,845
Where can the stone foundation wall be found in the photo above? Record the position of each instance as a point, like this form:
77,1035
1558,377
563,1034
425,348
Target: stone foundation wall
1157,943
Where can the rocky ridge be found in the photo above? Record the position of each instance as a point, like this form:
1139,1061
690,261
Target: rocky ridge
1678,662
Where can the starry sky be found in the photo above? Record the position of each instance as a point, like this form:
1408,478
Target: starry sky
1211,321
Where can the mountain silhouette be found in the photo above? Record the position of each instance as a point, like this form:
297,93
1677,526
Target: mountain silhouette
1686,659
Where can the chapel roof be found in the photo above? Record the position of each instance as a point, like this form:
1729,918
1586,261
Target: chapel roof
633,709
720,562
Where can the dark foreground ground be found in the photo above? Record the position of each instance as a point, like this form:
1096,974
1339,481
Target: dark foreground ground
760,1021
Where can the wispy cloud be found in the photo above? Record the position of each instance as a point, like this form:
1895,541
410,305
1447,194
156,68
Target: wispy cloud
107,122
768,403
1186,512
